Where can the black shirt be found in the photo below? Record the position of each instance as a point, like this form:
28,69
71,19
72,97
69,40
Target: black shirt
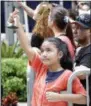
84,58
36,41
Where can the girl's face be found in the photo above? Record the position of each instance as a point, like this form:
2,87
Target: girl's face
49,54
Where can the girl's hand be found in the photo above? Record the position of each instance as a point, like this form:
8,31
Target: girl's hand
52,96
37,50
14,16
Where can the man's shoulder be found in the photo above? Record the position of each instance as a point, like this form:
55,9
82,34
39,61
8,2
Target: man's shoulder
84,50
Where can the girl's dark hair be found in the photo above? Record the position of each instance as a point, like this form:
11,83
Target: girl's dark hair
58,15
69,34
65,61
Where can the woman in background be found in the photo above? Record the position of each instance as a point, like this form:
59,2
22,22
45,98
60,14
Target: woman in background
58,21
40,15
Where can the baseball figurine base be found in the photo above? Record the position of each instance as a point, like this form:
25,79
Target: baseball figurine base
12,27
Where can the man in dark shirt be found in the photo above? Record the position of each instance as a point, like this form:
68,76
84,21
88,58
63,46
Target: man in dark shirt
83,56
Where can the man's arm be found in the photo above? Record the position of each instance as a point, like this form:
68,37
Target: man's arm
24,41
82,67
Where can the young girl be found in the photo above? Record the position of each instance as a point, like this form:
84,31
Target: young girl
58,21
39,33
52,69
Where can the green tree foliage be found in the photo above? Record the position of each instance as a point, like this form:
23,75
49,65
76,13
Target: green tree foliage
14,77
11,51
13,66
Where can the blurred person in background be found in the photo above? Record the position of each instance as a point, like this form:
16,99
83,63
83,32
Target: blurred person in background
84,7
83,55
40,15
58,21
72,15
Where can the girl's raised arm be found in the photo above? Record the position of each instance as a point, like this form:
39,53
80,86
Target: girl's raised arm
22,35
